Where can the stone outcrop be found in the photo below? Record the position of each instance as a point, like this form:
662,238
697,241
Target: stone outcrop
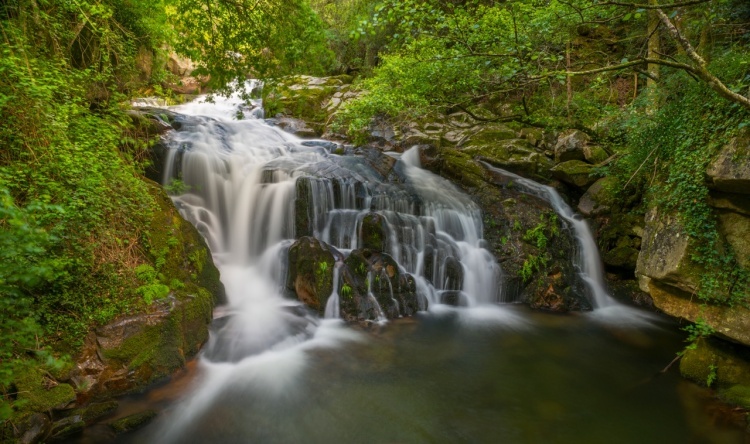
133,351
310,275
730,170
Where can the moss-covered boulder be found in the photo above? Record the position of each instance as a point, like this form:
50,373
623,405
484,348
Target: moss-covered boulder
570,146
516,155
37,392
722,365
312,100
310,272
133,351
373,287
597,198
594,153
133,422
374,232
730,170
574,172
665,254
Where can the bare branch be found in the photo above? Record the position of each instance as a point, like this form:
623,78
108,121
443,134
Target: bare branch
646,6
700,64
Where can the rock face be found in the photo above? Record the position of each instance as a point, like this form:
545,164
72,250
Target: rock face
665,256
574,172
310,276
133,351
730,170
666,272
570,146
724,365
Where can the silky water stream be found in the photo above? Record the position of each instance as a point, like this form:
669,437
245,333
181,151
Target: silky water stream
484,372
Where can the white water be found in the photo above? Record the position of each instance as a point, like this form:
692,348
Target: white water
240,182
587,259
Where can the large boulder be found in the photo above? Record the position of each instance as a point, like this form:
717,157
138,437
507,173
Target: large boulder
574,172
516,155
374,232
597,198
570,146
665,254
730,170
373,286
310,272
724,365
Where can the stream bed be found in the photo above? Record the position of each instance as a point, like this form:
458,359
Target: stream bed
274,371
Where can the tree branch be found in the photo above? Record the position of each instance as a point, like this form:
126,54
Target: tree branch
646,6
700,64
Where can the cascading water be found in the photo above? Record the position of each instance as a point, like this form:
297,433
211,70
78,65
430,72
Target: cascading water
246,185
587,255
587,258
274,372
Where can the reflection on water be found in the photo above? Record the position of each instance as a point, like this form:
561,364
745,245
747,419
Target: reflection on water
505,375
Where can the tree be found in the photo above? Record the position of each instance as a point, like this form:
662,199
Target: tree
230,39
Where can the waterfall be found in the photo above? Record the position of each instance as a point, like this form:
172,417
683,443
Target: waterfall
587,258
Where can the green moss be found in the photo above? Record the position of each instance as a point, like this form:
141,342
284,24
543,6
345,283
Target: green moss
95,411
462,168
737,395
133,422
33,396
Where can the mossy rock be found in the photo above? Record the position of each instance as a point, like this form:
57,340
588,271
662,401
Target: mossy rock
133,422
38,393
516,155
95,411
729,363
374,232
575,172
310,275
738,395
66,427
621,257
179,251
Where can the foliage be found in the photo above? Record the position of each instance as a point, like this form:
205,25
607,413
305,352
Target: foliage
230,39
546,229
668,155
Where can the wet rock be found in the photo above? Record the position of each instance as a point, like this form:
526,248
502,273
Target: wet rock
66,427
454,274
133,422
730,170
574,172
310,272
95,411
374,232
725,365
453,297
29,429
570,146
375,285
294,126
515,155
